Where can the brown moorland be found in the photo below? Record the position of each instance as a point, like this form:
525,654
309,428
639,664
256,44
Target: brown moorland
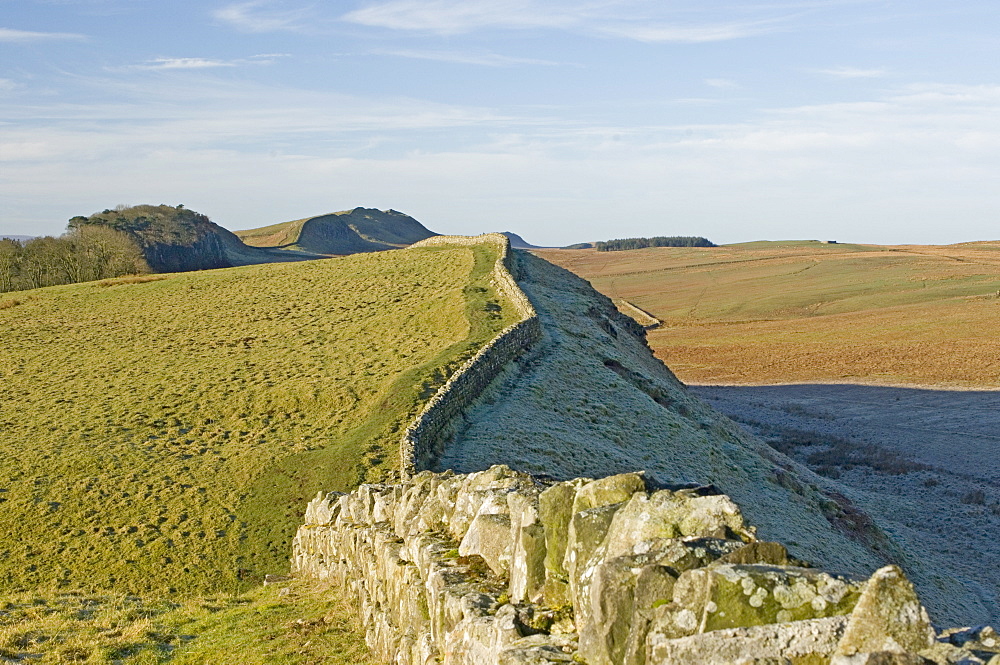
807,311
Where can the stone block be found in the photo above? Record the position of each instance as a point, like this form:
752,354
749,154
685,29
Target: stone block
538,650
881,658
732,596
587,530
809,641
555,511
489,537
527,568
773,554
607,491
666,514
888,617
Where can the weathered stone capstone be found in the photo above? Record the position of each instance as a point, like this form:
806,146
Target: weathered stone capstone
498,567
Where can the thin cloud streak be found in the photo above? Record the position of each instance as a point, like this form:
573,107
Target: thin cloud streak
465,58
206,63
613,18
11,36
255,17
689,34
184,63
450,17
853,72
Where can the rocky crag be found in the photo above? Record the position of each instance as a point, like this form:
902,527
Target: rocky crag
498,566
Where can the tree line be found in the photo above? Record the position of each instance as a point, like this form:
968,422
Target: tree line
658,241
82,255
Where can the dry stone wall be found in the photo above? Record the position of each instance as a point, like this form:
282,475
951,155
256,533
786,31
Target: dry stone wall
424,440
499,567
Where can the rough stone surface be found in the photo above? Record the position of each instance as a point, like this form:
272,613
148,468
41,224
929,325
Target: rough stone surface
456,569
798,640
729,596
888,617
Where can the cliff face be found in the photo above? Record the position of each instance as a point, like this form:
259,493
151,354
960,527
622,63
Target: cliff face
206,251
172,239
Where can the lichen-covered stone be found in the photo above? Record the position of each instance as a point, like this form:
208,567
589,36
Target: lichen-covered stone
427,597
489,537
527,573
587,530
527,562
807,641
538,650
608,491
888,617
667,514
555,511
610,600
731,596
881,658
758,552
978,638
484,492
624,586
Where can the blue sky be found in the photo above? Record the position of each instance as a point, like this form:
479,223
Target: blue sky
855,120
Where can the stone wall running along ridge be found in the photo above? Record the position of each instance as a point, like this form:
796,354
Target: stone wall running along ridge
501,568
423,441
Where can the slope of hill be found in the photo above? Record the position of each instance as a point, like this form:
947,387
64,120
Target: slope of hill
780,312
175,239
517,242
177,424
592,400
339,233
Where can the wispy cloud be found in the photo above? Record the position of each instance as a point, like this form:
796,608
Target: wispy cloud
688,34
184,63
722,84
9,35
466,58
627,19
207,63
853,72
260,16
459,16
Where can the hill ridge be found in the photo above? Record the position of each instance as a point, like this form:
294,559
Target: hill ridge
338,233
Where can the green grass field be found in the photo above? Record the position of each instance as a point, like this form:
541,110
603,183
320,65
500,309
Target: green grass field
777,312
164,436
302,622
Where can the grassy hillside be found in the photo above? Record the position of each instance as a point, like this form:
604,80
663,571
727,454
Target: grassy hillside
164,433
775,312
347,232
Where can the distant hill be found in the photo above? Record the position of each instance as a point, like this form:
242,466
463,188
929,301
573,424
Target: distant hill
347,232
17,238
175,239
517,242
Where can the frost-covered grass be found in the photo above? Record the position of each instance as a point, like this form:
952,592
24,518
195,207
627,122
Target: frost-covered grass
165,436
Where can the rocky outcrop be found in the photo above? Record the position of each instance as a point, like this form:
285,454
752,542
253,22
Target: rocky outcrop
502,567
423,441
340,233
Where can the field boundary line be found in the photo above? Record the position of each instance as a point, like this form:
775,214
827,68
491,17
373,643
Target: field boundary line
423,441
